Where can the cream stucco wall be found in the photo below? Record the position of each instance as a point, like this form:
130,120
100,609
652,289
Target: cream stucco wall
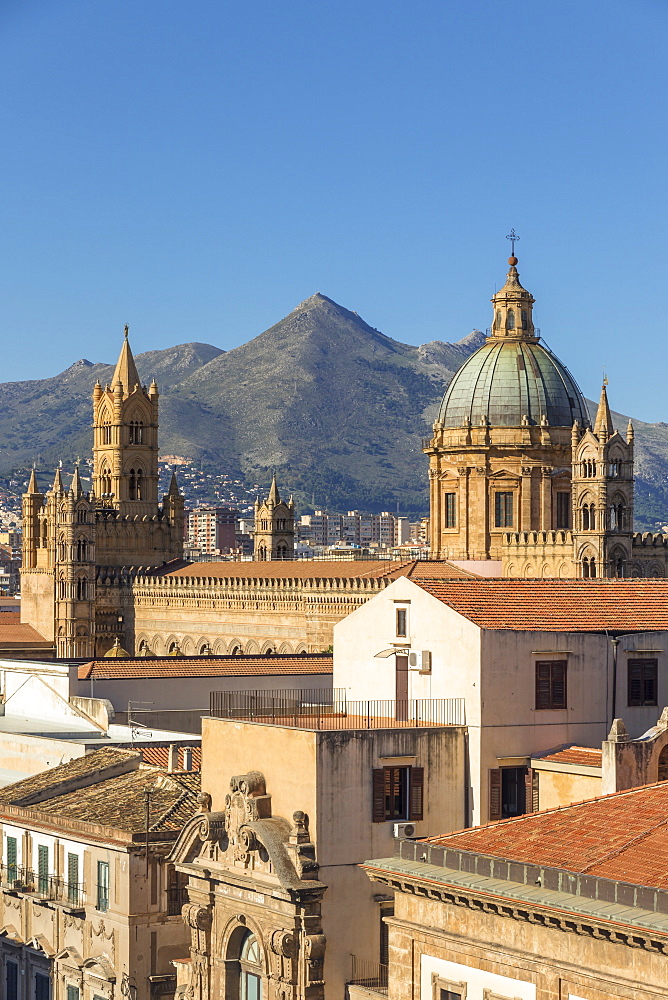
558,788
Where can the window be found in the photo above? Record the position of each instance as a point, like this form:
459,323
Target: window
42,869
251,969
42,987
12,981
103,885
398,793
73,993
503,510
11,859
510,322
563,510
450,505
642,680
73,880
443,989
401,621
551,684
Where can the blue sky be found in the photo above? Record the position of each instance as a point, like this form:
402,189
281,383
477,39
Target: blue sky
197,169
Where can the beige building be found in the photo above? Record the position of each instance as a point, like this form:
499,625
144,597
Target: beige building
562,905
278,854
537,664
274,536
85,911
518,476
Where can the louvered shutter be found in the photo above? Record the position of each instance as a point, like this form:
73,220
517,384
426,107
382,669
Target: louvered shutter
559,684
531,790
495,793
378,809
543,685
650,670
416,795
12,978
635,682
42,987
12,853
42,868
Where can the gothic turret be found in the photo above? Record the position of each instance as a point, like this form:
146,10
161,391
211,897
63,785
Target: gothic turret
274,526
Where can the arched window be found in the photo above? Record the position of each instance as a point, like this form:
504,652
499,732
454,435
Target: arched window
250,959
132,486
262,553
82,589
106,429
62,588
497,321
282,551
61,549
105,481
510,321
140,485
525,320
82,516
136,432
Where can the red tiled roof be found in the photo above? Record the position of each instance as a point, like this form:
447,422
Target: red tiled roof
557,605
277,664
582,756
15,633
433,569
622,837
289,569
159,757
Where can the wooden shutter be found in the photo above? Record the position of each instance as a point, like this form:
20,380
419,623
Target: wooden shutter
543,685
559,684
42,986
416,793
650,673
378,809
495,793
531,790
634,668
12,978
12,854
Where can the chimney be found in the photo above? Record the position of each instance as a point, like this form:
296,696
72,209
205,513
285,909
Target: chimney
172,758
187,758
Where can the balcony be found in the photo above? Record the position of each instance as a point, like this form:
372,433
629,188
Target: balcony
366,977
15,878
330,710
177,896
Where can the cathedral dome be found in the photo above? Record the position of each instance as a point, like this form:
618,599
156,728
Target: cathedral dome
510,382
513,379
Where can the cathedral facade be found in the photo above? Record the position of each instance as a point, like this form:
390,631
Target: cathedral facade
521,483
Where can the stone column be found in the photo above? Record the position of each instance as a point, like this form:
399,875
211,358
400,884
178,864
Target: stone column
546,498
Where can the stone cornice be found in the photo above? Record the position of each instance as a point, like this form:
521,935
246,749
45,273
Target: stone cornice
564,920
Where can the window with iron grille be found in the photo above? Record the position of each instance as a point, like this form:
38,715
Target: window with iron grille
450,505
398,793
551,684
503,510
642,682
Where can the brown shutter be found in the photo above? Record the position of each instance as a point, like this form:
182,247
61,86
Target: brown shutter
531,790
495,793
559,684
543,685
378,813
634,668
416,795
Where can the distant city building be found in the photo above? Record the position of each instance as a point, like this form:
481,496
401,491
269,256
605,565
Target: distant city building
384,530
212,530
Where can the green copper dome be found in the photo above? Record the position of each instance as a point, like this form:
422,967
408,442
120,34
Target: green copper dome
510,382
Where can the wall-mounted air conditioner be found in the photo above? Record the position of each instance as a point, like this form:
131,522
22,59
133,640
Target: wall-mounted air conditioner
404,830
420,661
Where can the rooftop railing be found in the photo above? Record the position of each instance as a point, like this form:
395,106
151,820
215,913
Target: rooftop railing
370,975
17,878
309,709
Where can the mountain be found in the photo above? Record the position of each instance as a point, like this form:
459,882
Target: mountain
335,406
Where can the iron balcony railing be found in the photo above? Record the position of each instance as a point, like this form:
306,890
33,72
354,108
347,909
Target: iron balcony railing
305,710
20,879
371,975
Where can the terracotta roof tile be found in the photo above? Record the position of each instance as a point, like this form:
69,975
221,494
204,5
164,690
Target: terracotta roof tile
433,569
290,569
557,605
72,770
622,837
582,756
277,664
14,632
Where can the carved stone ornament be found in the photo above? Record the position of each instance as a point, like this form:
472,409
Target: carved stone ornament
283,943
196,916
246,802
211,826
527,470
315,947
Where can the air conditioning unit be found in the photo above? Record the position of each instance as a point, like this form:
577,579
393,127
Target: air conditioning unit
420,661
404,830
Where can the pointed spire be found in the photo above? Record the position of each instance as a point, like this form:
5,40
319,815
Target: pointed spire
75,485
603,418
32,485
274,496
57,482
173,486
630,433
126,370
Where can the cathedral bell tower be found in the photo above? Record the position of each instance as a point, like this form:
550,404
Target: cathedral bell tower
274,526
125,440
602,478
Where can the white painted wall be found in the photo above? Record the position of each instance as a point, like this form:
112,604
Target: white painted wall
476,981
